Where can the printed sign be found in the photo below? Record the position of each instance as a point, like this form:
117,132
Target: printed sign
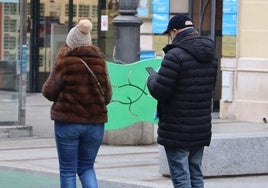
104,23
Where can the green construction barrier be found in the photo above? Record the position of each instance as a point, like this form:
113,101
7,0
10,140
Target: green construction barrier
131,100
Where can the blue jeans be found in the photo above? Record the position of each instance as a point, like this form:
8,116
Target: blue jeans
185,167
77,147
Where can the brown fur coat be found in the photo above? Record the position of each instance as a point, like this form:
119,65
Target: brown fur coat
76,96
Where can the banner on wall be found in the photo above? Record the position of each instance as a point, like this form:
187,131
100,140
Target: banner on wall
160,9
143,8
160,6
160,22
229,18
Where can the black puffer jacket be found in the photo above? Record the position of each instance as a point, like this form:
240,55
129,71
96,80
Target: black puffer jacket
183,88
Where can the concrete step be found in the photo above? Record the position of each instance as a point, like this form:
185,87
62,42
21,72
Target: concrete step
15,131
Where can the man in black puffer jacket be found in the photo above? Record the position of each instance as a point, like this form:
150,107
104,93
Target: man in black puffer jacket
183,88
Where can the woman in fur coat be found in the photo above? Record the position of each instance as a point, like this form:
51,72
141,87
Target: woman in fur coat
79,105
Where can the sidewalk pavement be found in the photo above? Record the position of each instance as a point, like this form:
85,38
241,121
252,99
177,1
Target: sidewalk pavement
32,162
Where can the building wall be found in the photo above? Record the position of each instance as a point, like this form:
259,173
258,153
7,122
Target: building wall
9,31
245,91
253,28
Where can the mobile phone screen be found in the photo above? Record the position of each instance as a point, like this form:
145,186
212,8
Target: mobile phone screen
150,70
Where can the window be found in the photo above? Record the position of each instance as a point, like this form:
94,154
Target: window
9,42
67,10
10,25
10,8
84,11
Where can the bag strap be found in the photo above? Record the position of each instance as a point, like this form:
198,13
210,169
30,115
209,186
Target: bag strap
95,77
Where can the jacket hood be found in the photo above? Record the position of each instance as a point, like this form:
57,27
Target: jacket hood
201,48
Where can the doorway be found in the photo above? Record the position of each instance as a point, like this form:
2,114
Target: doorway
207,16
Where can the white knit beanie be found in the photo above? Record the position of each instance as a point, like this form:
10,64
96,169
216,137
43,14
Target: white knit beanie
80,34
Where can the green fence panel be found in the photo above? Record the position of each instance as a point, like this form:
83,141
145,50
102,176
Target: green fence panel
131,101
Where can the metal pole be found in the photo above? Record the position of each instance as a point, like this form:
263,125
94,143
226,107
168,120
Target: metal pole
34,45
213,19
191,8
70,16
22,76
99,23
23,21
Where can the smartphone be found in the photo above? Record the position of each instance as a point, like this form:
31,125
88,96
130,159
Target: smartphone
150,70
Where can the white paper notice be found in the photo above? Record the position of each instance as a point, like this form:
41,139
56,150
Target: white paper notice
104,23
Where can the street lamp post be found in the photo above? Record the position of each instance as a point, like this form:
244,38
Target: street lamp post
127,32
127,51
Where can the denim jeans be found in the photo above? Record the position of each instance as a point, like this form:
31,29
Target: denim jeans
77,147
185,167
